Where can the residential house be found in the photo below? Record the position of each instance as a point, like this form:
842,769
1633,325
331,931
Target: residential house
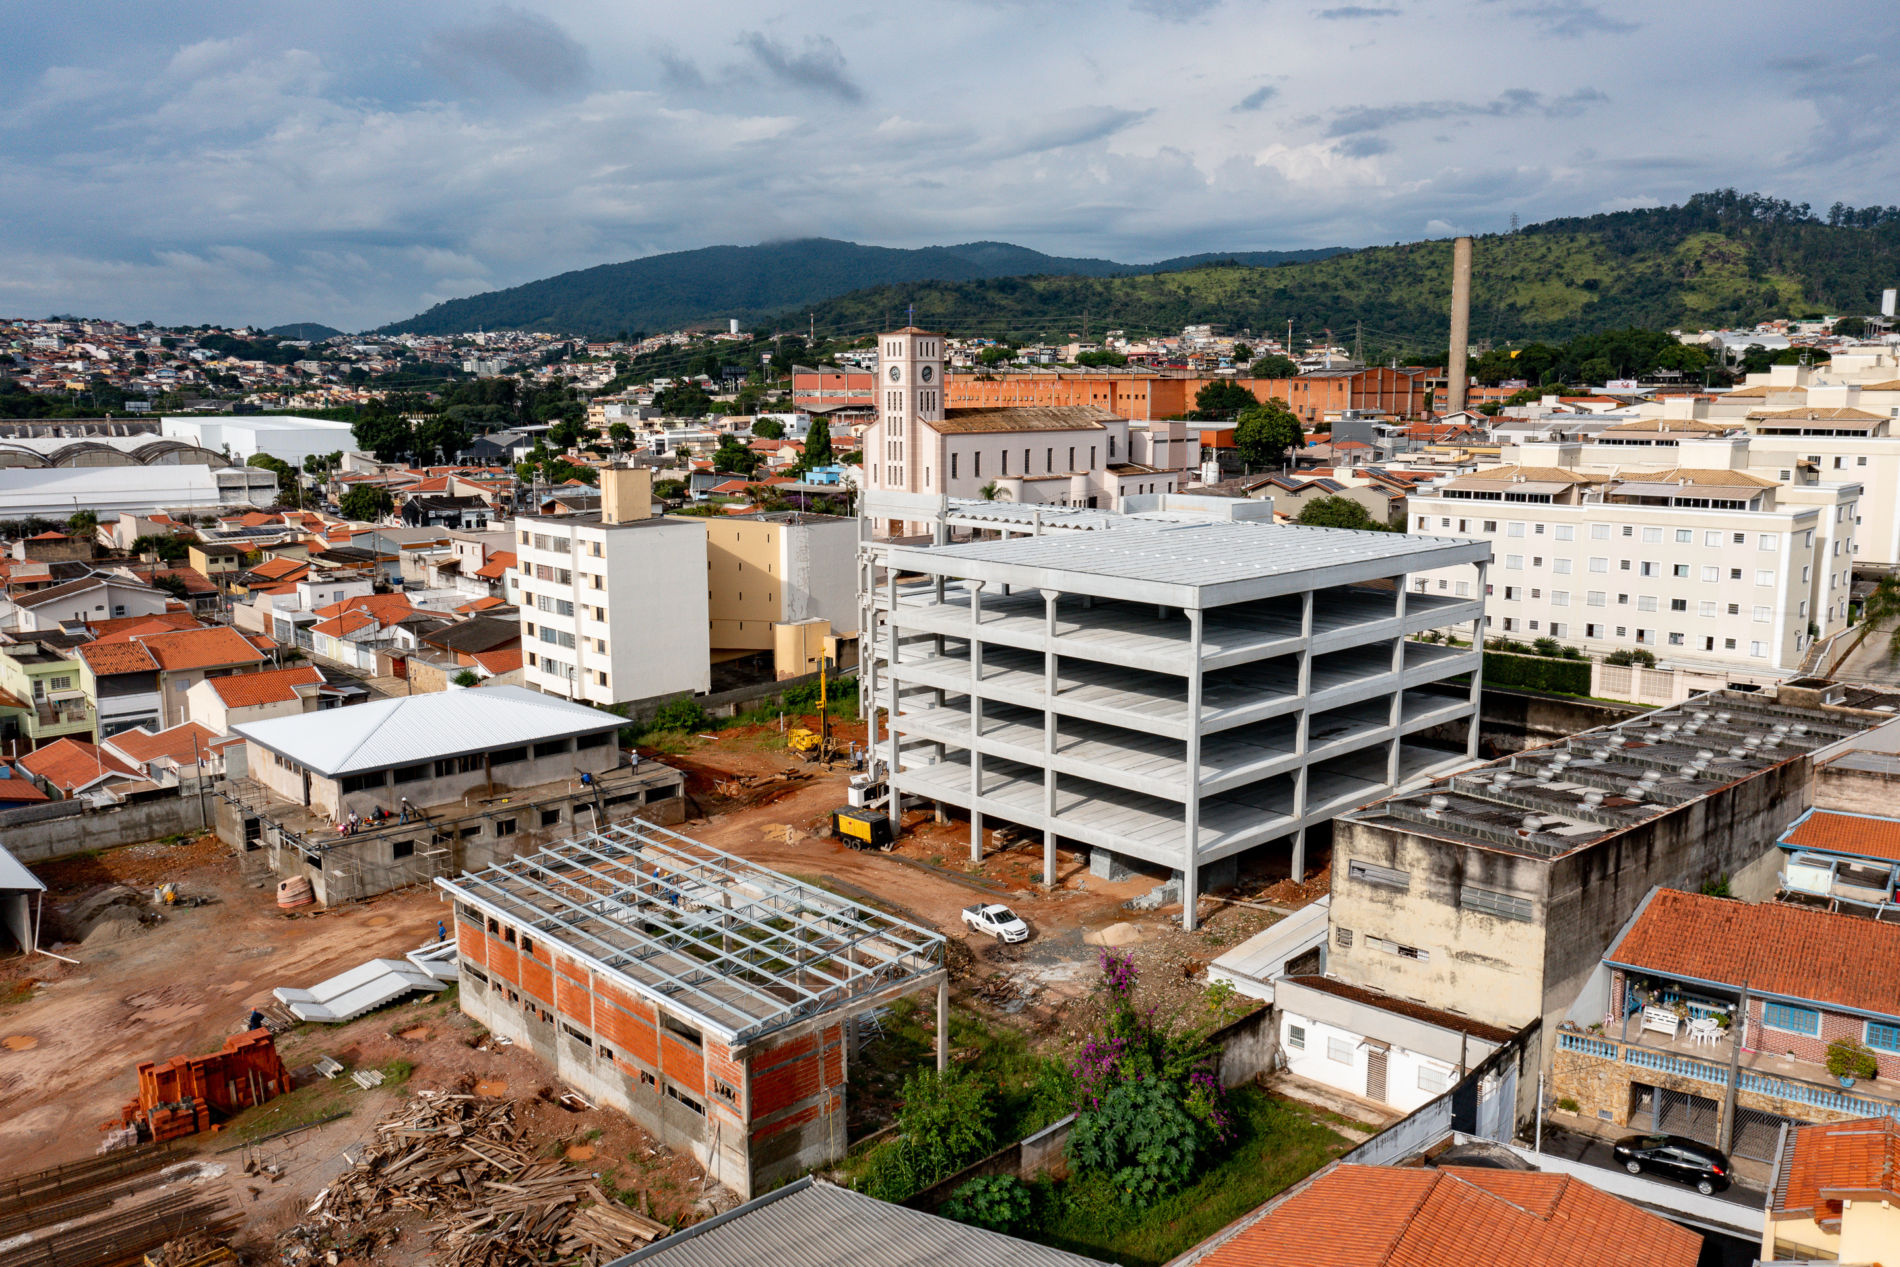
167,757
221,563
1447,1216
120,683
42,696
467,512
70,768
54,547
17,789
1843,862
95,597
220,703
1702,992
1837,1194
182,658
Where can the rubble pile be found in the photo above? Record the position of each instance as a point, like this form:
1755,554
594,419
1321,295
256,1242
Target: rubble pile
458,1161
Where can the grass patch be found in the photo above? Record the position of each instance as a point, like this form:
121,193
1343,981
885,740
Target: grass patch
395,1073
13,993
1275,1146
668,742
322,1098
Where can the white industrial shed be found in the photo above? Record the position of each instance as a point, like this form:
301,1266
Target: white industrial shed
245,436
1173,691
20,895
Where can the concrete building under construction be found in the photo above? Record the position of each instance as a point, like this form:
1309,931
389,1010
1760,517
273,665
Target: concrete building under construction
711,1000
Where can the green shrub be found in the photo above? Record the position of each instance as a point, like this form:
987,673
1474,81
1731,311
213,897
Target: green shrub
1143,1138
1643,659
1851,1058
1000,1203
946,1123
683,713
1536,673
1568,1105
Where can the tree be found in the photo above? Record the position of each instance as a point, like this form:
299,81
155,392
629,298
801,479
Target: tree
466,677
1264,432
992,492
366,503
1099,360
996,354
1338,512
1221,398
172,585
1242,354
735,457
83,523
1273,365
684,400
621,436
289,486
768,429
818,444
386,436
441,435
669,490
168,548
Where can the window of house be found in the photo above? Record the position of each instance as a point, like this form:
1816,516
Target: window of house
504,827
1881,1035
1342,937
1491,902
1373,873
1432,1079
1792,1019
1340,1049
1296,1037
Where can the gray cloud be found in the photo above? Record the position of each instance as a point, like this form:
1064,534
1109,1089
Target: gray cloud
1257,98
1065,128
820,68
1569,21
527,48
1174,10
1350,12
1510,103
677,70
1362,146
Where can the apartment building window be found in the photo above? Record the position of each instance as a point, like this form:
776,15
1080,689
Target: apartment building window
1599,532
1559,630
1512,593
1622,565
1597,598
1533,626
1514,529
1675,640
1514,562
1560,598
1646,637
1537,560
1510,624
525,538
1768,543
1804,609
558,637
1564,532
1678,604
1762,614
1628,530
1490,525
1593,631
1861,460
1705,609
1680,571
1645,602
1685,536
1740,539
1599,565
1711,575
1837,518
1758,649
1735,574
1652,535
1560,566
1342,937
1649,569
1764,577
1713,537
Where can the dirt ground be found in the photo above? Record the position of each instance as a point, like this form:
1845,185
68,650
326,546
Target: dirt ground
72,1034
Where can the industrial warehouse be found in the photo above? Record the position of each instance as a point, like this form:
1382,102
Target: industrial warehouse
713,1001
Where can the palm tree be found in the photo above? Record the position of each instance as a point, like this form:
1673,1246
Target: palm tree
991,493
1882,605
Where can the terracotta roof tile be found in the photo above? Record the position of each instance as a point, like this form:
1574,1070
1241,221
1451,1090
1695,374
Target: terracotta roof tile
506,660
16,787
119,628
127,656
1825,1165
143,746
279,568
1377,1216
482,604
498,564
1792,952
384,607
1860,834
271,686
69,764
344,625
200,648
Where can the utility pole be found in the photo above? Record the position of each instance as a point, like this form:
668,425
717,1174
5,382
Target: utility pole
811,330
1358,344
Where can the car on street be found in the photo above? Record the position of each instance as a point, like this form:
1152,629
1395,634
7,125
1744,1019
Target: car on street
1704,1168
998,921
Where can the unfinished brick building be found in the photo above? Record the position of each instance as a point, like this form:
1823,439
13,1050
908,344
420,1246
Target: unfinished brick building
711,1000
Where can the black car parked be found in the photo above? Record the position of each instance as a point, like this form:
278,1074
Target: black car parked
1674,1157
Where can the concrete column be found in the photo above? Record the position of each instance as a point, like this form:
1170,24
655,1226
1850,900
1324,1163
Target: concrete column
1460,324
1477,672
894,801
1191,843
1398,689
1298,870
1050,600
976,720
943,1025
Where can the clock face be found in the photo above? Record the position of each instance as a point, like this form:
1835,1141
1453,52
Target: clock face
896,373
924,373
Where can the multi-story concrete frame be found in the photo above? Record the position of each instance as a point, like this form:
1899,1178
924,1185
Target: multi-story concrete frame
1694,565
1173,693
613,606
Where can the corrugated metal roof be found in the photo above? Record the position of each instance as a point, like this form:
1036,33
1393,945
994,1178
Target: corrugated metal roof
385,733
14,875
810,1222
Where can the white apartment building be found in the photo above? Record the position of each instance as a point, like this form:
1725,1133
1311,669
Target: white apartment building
1051,455
1698,566
613,606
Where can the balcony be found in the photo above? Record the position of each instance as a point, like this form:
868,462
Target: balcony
1796,1082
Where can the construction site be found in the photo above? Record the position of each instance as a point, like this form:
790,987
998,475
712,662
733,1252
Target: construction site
191,1064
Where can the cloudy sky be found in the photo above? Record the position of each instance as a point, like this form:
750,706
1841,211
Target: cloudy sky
353,162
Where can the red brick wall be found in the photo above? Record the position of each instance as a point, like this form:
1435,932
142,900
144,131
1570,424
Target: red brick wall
537,974
682,1063
573,997
1814,1047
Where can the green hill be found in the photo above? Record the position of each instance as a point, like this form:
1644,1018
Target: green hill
313,331
665,292
1718,259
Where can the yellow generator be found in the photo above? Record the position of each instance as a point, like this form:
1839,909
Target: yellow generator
863,828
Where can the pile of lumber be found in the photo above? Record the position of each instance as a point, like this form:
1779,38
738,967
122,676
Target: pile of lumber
458,1161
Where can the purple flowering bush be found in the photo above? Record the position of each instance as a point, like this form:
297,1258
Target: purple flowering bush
1148,1103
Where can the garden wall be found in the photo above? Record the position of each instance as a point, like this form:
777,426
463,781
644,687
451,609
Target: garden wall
63,828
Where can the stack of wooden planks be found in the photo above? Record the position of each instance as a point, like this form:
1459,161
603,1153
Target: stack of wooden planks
458,1161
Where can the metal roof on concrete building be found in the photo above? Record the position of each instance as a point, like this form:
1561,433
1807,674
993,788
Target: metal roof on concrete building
414,728
740,949
814,1224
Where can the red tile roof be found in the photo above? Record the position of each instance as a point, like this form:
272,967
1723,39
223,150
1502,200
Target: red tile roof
1375,1216
503,660
280,568
385,607
1792,952
16,787
126,656
119,627
1861,834
482,604
195,582
270,686
182,743
69,764
498,564
344,625
1840,1161
200,648
50,536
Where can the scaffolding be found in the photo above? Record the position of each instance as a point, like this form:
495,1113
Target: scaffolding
739,949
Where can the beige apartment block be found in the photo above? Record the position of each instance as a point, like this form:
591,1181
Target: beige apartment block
783,568
1699,566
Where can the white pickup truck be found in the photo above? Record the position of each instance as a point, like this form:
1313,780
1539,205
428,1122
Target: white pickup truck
998,921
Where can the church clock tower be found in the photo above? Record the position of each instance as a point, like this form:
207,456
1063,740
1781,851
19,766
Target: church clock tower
910,396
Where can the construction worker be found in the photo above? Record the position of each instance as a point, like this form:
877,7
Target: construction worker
441,931
255,1022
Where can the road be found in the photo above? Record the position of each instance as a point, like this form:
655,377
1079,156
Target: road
1596,1152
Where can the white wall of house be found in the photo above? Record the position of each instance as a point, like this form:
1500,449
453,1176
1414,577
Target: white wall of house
1338,1058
